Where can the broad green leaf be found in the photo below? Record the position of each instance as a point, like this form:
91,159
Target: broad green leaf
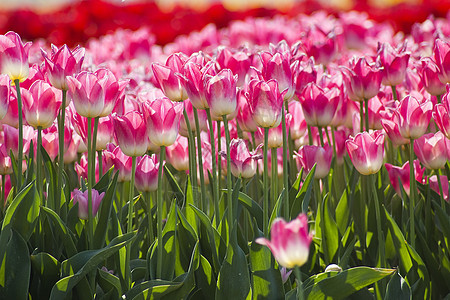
303,197
398,289
168,243
62,231
46,272
341,285
186,239
205,278
108,282
343,213
276,212
330,232
254,209
174,184
85,262
443,222
189,211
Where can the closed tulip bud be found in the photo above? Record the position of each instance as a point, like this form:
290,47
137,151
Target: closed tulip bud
168,81
265,102
178,154
220,93
304,73
5,161
277,66
238,62
50,142
441,53
432,150
163,121
5,92
429,74
289,241
14,56
413,117
61,63
114,89
244,117
82,199
192,81
366,151
298,124
11,138
122,163
243,162
310,155
362,80
87,93
41,104
319,105
394,63
130,132
147,174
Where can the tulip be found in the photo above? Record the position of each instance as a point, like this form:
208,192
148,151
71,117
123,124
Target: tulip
243,162
105,130
62,63
244,117
310,155
5,161
82,199
87,93
320,45
366,151
413,117
50,142
11,138
441,115
441,53
429,74
170,83
362,80
275,139
5,92
298,124
319,105
122,163
434,185
192,80
220,93
265,102
41,104
432,150
392,130
178,154
130,132
14,57
304,73
402,173
394,63
163,121
290,241
147,174
238,62
114,89
277,66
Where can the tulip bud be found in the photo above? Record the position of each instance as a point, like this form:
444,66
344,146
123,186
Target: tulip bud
310,155
432,149
220,93
14,56
130,132
265,102
147,174
82,199
366,151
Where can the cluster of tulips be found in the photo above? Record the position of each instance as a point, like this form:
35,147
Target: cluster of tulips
264,120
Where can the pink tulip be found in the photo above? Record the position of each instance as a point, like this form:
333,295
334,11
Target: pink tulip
82,199
5,161
290,241
298,124
122,163
307,156
277,66
238,62
192,81
319,105
243,162
130,132
429,74
41,105
170,83
441,53
362,80
394,63
413,117
71,151
14,56
401,174
50,142
147,174
320,45
441,115
432,149
5,92
393,132
163,121
12,115
265,102
114,89
62,63
11,138
244,117
88,94
105,130
304,73
220,93
366,151
434,185
178,154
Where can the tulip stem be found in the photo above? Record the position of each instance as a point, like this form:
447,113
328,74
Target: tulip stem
150,236
441,191
229,185
310,137
61,119
38,165
274,165
130,222
2,204
159,208
412,182
322,143
219,157
366,104
200,161
378,217
266,184
100,164
215,183
298,276
20,154
439,98
255,186
89,183
285,163
361,116
192,157
394,92
94,146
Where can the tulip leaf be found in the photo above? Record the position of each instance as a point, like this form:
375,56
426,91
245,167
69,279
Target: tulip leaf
253,207
339,285
168,243
83,263
46,272
186,239
343,213
330,232
50,171
104,213
443,222
303,197
205,279
15,267
174,184
398,288
109,284
189,211
233,281
276,212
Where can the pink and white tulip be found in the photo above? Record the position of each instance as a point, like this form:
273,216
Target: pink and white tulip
130,132
366,151
82,199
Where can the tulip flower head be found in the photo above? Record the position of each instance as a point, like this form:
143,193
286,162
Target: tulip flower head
220,93
400,175
82,199
5,92
413,117
130,132
366,151
14,56
265,102
319,105
277,66
243,162
394,63
362,80
147,174
310,155
289,241
432,149
87,93
169,82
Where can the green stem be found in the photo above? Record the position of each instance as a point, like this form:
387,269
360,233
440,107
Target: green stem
130,222
378,217
94,146
310,137
38,165
266,184
361,116
159,208
229,185
150,236
412,182
439,98
256,183
285,164
215,183
298,276
61,119
100,164
90,174
322,143
394,92
219,157
274,165
200,161
366,103
441,191
192,158
2,204
20,154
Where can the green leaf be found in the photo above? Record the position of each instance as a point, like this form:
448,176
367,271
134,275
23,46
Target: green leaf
276,212
304,195
234,280
174,184
108,282
341,285
398,289
205,278
15,268
85,262
330,233
254,209
343,213
168,244
444,222
46,271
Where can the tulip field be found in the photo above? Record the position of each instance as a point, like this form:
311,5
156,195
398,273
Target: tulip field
275,158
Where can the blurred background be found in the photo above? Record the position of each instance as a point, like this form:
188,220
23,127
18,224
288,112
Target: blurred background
75,21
